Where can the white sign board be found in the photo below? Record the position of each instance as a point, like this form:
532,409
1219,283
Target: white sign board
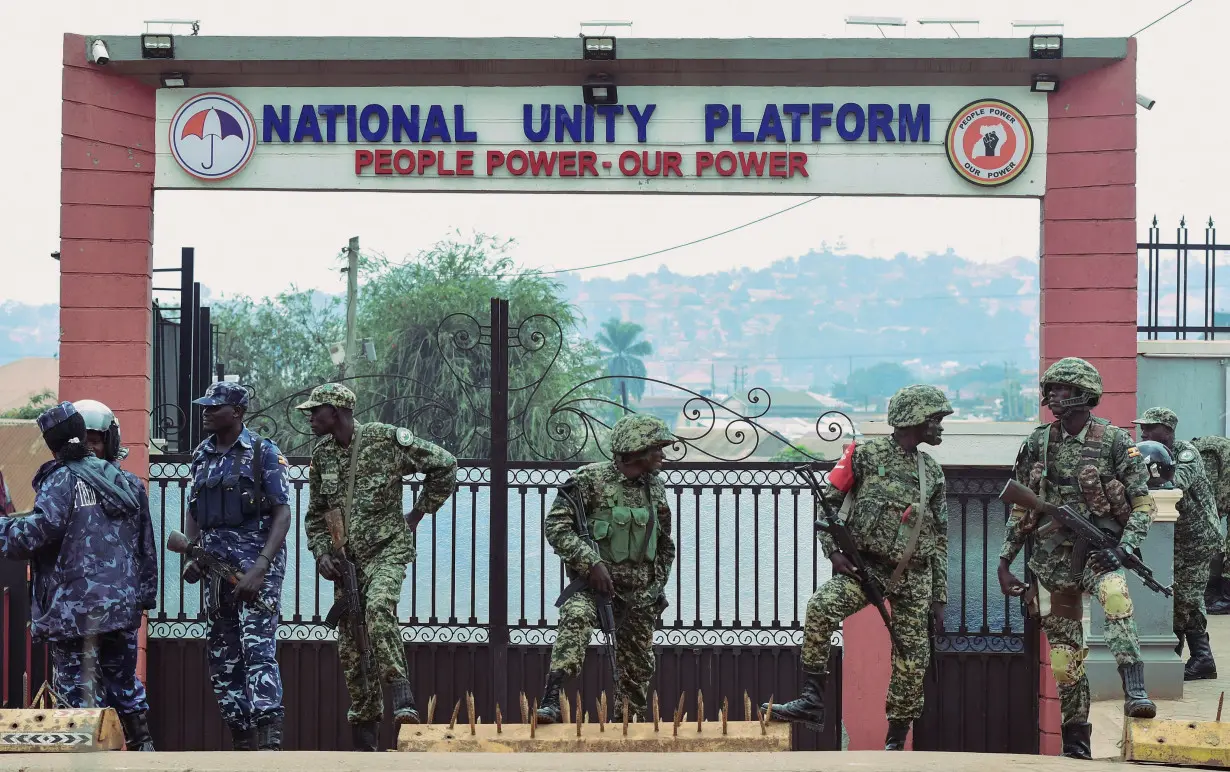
950,141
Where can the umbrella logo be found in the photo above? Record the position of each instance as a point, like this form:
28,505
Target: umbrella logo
212,136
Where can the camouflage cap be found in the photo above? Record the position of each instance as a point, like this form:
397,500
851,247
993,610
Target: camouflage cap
1073,371
224,393
1158,415
54,416
334,394
637,431
913,405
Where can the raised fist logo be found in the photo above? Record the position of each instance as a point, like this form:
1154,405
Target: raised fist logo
990,138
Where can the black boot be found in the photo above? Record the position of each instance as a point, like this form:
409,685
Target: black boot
1201,665
365,735
1076,740
808,708
243,739
1212,589
136,732
548,709
1178,649
269,734
1221,604
1136,702
403,703
895,739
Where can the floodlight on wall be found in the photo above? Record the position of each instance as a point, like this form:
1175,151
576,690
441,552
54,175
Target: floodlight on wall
951,23
598,48
1044,83
599,89
879,22
157,47
174,80
1046,46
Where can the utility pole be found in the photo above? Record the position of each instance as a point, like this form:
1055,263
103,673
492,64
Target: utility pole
352,299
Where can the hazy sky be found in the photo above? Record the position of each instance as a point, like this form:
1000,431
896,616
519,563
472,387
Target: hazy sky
261,242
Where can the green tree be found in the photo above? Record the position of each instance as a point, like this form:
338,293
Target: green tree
34,406
875,383
624,356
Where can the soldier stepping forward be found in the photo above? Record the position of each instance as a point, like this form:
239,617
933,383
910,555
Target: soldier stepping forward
239,512
1094,467
379,540
1177,464
899,520
91,549
630,522
1215,452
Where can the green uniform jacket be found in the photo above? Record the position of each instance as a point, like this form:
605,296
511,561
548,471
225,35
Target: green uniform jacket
386,455
885,485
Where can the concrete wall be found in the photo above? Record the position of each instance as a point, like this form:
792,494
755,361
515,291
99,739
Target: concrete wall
1190,378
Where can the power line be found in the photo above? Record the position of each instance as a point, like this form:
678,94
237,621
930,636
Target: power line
819,357
1017,296
667,249
1155,21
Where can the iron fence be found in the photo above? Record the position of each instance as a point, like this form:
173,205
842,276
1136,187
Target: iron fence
1180,300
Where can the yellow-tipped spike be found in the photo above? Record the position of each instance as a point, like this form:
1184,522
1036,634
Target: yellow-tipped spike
452,723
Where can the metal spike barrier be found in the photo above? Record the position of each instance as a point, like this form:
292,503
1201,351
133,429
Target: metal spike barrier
573,735
50,728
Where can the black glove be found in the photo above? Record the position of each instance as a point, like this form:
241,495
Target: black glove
1107,560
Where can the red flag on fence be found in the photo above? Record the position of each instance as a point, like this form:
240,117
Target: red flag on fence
842,476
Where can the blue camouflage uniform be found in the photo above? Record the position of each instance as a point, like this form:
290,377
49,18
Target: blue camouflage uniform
242,639
90,542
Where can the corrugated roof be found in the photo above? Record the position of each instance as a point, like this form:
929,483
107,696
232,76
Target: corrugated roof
22,452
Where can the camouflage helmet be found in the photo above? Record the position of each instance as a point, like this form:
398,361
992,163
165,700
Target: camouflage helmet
1073,371
913,405
636,432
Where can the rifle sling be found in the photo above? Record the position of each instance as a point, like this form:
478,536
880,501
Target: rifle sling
575,586
916,529
356,439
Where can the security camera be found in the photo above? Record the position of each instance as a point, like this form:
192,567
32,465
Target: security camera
1145,101
98,52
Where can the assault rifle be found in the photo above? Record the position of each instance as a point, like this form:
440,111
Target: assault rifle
833,526
1089,537
349,604
217,569
606,608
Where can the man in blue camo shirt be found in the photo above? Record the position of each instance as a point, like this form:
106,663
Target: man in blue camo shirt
245,524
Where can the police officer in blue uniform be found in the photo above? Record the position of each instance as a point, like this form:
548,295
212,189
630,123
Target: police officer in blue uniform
239,510
90,543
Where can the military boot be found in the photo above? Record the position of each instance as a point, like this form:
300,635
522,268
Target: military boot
1212,589
808,708
1076,737
269,734
136,732
243,739
365,735
1178,649
1221,604
403,703
548,709
897,732
1136,702
1201,665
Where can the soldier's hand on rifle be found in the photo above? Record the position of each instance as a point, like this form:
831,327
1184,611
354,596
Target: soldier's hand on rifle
412,519
843,565
191,574
600,579
329,567
249,586
1008,583
1107,560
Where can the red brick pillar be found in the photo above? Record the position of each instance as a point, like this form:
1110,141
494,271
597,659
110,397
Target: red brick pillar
1088,267
106,223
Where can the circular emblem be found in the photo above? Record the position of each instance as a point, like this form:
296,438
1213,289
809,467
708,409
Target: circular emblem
1187,456
212,136
989,142
404,437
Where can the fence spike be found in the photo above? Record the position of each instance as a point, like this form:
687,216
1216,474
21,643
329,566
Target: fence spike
534,719
1220,700
452,722
678,716
431,708
626,716
470,711
580,714
1183,221
700,709
725,711
499,720
768,716
525,709
747,706
565,708
1210,221
600,708
657,715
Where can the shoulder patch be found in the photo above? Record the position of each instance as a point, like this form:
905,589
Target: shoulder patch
1186,456
404,437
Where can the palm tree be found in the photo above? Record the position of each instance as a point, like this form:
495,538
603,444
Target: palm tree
624,357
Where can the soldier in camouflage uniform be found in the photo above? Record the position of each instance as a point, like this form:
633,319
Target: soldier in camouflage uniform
1089,464
899,521
380,539
90,544
1196,539
1215,452
630,520
244,523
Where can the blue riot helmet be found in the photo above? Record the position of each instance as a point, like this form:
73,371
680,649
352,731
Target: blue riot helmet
99,418
1159,461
